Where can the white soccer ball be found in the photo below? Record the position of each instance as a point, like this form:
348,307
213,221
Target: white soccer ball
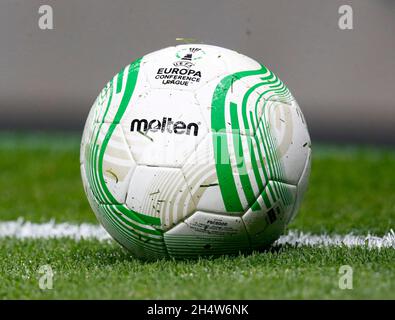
195,150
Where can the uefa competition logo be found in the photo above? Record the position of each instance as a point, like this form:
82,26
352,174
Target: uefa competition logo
181,73
190,54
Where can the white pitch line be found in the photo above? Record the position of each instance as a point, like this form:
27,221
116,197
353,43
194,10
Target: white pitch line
21,229
300,239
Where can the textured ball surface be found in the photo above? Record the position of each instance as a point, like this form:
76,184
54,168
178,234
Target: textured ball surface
195,150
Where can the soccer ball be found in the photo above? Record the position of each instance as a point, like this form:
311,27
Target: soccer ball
195,150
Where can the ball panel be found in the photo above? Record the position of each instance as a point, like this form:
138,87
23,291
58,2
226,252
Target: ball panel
87,133
130,230
207,234
91,161
118,164
222,176
100,214
266,219
267,86
102,102
84,179
240,104
302,186
237,62
110,166
204,97
201,176
160,192
290,138
138,237
122,92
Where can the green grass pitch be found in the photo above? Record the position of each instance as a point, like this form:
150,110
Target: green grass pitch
351,190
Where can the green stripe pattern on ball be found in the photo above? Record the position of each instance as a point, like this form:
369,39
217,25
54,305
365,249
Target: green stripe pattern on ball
265,143
130,227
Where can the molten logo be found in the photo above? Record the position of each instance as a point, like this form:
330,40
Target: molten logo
166,125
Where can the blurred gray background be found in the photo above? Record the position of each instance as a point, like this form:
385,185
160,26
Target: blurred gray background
344,80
